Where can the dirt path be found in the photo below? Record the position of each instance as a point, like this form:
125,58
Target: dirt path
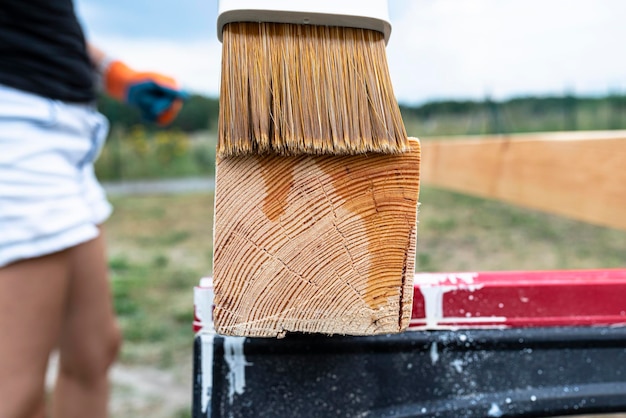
164,186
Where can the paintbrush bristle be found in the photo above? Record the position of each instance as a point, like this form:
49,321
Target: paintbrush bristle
301,89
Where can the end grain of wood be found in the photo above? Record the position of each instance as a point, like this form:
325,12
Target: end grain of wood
322,244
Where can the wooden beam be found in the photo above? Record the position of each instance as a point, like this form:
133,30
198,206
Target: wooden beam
581,175
315,244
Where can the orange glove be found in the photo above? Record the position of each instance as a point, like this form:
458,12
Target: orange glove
157,96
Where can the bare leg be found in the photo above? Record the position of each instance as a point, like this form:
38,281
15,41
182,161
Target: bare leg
90,338
32,305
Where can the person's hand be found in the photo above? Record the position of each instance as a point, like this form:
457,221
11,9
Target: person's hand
158,97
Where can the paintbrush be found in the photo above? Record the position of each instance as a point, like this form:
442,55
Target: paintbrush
306,78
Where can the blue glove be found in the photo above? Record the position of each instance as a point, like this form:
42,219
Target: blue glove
158,97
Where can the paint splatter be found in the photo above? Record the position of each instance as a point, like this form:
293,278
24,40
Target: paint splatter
495,411
236,361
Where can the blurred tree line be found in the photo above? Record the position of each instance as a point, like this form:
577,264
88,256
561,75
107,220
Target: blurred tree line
522,114
445,117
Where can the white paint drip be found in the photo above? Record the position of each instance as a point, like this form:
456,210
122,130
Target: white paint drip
207,371
434,286
458,365
203,304
434,353
236,361
495,411
433,303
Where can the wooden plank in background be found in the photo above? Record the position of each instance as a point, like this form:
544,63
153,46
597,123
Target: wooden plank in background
315,244
581,175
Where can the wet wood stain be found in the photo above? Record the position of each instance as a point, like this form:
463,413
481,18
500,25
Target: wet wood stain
278,178
381,191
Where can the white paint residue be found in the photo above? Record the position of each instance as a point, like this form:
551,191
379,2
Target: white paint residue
477,320
203,297
236,361
207,371
495,411
433,303
458,365
203,304
434,353
444,278
433,286
455,322
206,282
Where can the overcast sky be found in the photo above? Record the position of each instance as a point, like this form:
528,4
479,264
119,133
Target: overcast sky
439,49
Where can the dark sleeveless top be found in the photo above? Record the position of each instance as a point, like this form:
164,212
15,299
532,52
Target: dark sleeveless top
43,50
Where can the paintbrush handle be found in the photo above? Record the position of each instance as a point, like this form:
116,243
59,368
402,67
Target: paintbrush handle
364,14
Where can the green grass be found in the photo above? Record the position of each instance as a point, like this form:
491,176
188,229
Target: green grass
459,232
159,248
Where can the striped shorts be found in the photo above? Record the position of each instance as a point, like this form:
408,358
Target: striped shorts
50,199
